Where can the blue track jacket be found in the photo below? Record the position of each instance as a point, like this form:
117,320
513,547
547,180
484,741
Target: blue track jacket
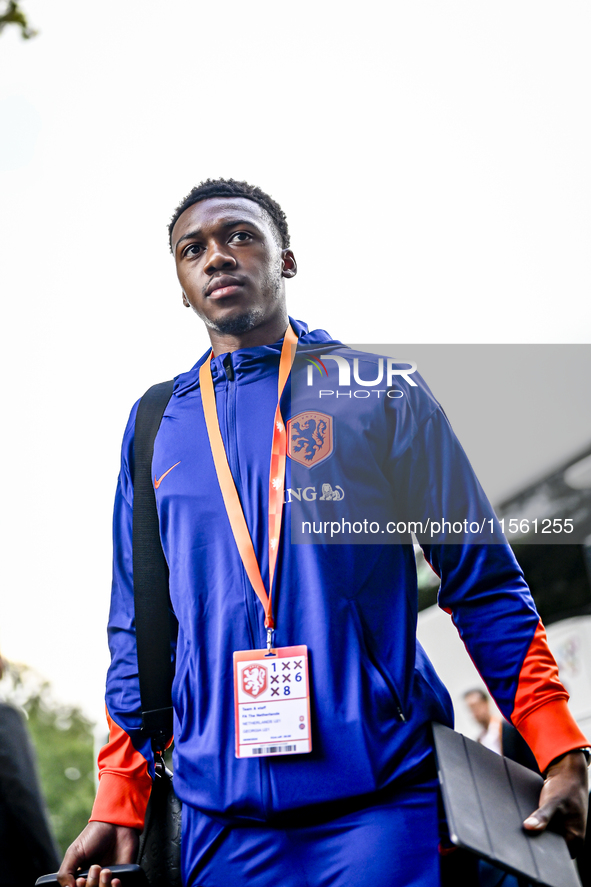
373,689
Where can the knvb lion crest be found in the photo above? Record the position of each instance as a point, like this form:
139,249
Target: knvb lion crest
254,680
309,438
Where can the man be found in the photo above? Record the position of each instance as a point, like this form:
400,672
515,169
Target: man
496,733
479,704
361,806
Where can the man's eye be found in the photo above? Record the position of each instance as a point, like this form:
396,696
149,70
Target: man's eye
192,250
241,236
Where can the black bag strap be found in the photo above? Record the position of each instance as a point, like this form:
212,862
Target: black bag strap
150,576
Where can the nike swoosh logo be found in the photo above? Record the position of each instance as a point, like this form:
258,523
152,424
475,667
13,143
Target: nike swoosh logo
158,481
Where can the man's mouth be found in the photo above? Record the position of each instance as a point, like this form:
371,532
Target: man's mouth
222,286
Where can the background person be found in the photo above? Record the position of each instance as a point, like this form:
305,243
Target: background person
27,847
491,722
497,734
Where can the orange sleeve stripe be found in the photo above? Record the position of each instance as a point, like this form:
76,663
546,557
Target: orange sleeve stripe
538,678
541,713
124,782
551,731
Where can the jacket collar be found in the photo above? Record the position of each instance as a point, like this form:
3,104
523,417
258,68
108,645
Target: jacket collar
251,363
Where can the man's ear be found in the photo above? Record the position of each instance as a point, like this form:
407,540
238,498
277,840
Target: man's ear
186,302
289,264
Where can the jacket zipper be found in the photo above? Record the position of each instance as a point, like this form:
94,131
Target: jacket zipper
233,462
249,595
373,659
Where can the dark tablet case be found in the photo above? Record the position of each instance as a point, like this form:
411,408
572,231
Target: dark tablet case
486,798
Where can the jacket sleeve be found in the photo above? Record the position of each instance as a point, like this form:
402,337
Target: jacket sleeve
126,763
484,591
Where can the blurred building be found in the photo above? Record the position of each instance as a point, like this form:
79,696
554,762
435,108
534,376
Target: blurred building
556,561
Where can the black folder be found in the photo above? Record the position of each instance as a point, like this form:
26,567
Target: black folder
486,798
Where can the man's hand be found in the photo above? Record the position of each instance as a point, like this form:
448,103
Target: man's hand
100,844
565,793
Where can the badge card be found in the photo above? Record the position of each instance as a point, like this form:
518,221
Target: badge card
272,702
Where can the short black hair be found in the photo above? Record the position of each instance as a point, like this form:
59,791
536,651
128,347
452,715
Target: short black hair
232,188
484,696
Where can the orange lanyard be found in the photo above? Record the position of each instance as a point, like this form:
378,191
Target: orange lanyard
276,479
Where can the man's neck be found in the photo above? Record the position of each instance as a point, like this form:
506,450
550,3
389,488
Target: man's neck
264,334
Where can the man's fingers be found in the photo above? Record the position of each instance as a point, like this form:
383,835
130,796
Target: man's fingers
570,829
564,794
563,800
539,819
70,865
94,876
98,877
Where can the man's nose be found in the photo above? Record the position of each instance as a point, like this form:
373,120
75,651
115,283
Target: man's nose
218,256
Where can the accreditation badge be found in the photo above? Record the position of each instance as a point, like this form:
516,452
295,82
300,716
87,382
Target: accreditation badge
272,702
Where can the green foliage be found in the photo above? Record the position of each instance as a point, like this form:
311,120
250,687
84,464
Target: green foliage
63,739
12,14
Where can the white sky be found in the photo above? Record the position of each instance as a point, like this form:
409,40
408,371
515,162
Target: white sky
433,161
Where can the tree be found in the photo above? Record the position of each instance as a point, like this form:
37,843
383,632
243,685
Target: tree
12,14
64,741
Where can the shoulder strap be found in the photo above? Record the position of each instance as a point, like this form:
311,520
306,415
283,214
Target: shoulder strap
150,576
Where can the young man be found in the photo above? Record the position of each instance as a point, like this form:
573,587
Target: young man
361,806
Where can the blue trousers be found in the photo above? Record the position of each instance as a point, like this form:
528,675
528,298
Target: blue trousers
391,844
